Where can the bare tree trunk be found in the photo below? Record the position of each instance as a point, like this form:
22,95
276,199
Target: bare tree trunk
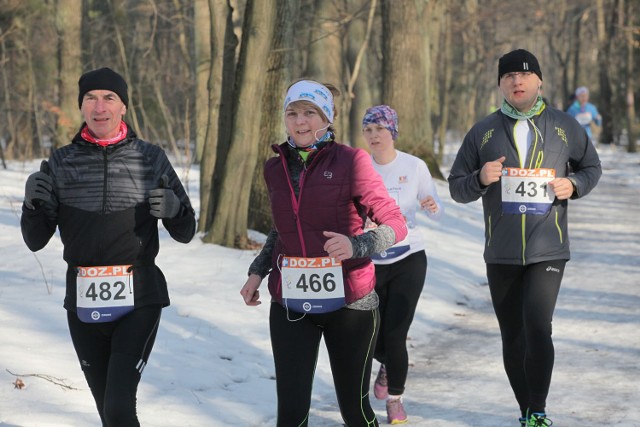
631,16
404,83
221,68
279,74
10,128
229,227
360,84
326,56
560,42
122,51
473,62
202,65
576,51
604,44
68,26
445,82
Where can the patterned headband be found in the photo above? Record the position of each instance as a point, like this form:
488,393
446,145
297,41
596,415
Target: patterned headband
382,115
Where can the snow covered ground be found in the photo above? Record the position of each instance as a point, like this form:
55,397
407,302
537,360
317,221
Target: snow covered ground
212,366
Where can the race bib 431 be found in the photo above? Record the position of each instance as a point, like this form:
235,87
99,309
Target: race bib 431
526,191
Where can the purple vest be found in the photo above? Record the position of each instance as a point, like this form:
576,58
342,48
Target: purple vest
337,190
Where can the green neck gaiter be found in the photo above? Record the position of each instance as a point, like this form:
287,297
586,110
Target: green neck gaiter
508,110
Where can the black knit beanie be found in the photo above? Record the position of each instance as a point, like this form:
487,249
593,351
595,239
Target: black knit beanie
104,79
517,61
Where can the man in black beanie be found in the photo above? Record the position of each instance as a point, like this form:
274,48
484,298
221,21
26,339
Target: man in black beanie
106,192
103,100
103,78
517,160
518,60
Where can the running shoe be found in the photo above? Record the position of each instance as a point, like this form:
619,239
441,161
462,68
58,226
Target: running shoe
538,419
523,422
395,412
380,389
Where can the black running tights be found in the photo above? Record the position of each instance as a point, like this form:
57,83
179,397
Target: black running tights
349,336
524,298
112,356
399,286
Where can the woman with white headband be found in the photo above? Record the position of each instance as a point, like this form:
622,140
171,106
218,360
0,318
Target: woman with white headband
317,256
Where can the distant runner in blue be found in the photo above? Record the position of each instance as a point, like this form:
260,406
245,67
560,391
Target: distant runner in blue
584,111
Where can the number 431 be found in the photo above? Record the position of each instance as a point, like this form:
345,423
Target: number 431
533,189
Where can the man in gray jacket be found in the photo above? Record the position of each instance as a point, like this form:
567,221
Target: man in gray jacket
526,161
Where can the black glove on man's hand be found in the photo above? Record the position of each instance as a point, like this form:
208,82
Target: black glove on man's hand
164,202
38,187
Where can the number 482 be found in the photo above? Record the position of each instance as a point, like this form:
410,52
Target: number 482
105,291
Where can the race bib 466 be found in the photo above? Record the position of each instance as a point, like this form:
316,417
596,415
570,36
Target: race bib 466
312,285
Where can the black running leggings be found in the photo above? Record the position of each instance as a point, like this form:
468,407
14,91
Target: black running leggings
399,286
112,356
349,336
524,298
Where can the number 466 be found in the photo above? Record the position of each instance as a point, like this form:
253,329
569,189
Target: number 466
316,284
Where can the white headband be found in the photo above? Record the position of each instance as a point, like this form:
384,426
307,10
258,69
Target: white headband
314,92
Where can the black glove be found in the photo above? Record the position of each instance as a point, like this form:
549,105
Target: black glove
164,202
39,187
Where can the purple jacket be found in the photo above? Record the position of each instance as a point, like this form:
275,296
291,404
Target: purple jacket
337,192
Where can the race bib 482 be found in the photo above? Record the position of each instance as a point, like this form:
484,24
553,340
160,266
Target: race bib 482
104,293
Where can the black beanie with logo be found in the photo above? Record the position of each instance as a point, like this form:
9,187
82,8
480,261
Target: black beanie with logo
103,79
518,60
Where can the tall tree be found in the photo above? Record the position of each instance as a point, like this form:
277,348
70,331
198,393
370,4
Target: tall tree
202,67
442,74
605,29
68,27
360,87
219,108
231,215
405,76
280,66
326,60
631,27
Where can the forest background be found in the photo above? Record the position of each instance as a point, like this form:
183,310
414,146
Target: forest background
207,77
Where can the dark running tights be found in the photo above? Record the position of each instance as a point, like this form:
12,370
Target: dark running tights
349,336
399,286
112,356
524,298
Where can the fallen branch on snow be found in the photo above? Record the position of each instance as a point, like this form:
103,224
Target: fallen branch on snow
57,381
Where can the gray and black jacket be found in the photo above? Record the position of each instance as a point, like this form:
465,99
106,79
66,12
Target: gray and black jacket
560,143
100,205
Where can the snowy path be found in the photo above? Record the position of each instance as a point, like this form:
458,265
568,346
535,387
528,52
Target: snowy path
212,365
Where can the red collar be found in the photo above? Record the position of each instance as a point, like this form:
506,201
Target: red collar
122,134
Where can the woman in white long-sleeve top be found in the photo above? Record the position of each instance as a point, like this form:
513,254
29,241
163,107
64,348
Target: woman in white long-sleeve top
400,270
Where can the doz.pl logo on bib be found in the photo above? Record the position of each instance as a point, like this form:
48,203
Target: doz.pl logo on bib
312,285
526,191
104,293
